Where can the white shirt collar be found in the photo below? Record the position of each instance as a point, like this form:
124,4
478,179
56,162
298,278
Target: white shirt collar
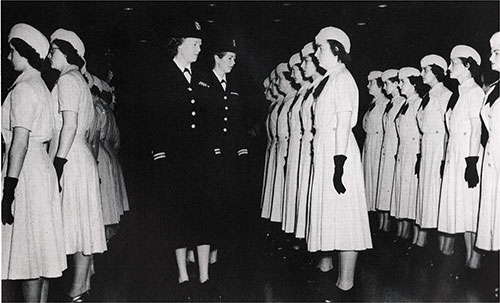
219,78
182,67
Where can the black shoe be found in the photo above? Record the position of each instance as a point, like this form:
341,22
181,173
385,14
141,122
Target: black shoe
338,295
184,292
208,292
84,297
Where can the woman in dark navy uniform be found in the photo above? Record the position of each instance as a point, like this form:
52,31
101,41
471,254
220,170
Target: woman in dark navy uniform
180,151
228,143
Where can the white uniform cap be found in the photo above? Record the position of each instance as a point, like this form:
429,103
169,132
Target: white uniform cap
97,82
495,40
294,59
307,50
388,74
71,38
374,75
434,59
465,51
266,82
406,72
333,33
32,37
106,87
281,68
272,75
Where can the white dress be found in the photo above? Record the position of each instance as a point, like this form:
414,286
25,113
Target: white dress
281,155
432,126
111,210
267,191
33,246
488,230
292,166
337,221
372,148
111,143
305,160
459,207
404,195
81,197
389,149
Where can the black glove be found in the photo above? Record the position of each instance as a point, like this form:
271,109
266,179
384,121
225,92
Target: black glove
441,169
417,164
9,186
59,165
339,161
471,175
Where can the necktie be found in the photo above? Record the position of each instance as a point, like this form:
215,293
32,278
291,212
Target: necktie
187,74
223,83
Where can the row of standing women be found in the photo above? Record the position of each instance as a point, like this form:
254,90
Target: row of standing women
423,160
62,180
314,105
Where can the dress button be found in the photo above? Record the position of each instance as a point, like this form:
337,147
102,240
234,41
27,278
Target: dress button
224,129
225,118
193,125
226,108
192,101
193,113
225,97
437,132
190,89
465,133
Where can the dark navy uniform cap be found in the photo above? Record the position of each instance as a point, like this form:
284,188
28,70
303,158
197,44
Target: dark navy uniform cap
186,29
224,44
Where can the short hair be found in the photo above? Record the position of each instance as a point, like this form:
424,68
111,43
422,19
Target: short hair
439,72
474,68
25,50
380,82
339,50
394,79
172,46
72,56
418,82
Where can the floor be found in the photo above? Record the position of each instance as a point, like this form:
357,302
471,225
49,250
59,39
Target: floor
139,266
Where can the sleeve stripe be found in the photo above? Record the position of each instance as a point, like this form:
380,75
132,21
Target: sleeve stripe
159,157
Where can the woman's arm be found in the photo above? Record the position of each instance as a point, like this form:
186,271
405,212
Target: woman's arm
68,132
17,152
342,132
475,137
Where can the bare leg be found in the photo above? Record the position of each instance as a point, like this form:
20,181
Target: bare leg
474,257
45,290
32,290
190,256
386,224
180,256
203,256
448,247
213,256
81,268
405,229
415,233
325,263
422,238
380,217
399,230
347,268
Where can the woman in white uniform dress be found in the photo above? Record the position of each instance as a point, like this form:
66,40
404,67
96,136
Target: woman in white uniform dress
488,230
459,207
341,213
389,147
372,147
431,123
285,88
404,195
75,165
311,73
272,121
32,231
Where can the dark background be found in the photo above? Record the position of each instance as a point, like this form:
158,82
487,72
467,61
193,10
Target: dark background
267,33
